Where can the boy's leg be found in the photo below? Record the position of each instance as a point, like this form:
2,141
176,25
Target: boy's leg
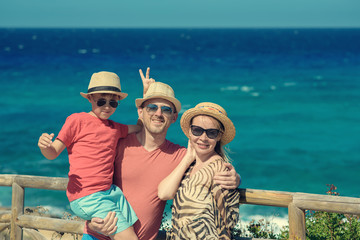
127,234
88,237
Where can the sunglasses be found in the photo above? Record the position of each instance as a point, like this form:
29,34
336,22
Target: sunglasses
152,108
102,101
198,131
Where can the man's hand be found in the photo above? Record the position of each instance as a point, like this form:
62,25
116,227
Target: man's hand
146,80
105,226
228,179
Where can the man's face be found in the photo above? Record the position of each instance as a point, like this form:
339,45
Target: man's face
157,115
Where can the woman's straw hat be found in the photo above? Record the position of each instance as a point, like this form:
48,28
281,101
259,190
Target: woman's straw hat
160,90
213,110
105,82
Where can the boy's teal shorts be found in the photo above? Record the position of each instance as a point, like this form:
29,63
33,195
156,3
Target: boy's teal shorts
99,204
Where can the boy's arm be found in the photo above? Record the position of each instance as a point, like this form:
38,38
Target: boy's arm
135,128
50,149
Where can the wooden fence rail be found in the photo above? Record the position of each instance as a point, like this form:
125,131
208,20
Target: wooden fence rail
296,203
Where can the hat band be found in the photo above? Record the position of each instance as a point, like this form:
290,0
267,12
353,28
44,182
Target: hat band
211,109
103,88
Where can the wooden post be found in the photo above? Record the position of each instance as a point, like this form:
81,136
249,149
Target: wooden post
17,208
297,228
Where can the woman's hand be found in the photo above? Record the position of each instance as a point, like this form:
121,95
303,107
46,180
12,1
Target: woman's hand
190,154
228,179
146,80
106,226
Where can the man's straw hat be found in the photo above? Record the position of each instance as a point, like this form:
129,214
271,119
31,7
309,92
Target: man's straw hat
105,82
213,110
159,90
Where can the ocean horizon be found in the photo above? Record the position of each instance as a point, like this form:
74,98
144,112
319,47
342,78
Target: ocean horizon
292,93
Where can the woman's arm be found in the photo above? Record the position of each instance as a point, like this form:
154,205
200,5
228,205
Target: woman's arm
169,186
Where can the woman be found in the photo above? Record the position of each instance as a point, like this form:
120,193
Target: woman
202,210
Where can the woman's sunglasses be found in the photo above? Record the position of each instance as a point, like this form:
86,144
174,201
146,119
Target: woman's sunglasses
152,108
198,131
102,101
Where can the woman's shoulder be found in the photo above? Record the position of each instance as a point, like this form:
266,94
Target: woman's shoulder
217,163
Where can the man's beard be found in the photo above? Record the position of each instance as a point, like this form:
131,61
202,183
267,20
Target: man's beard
155,129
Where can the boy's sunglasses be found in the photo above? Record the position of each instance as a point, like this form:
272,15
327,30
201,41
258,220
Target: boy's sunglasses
102,101
152,108
198,131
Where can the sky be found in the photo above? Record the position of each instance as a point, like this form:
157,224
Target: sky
175,14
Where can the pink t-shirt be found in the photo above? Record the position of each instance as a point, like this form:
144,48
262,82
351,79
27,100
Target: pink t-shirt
91,145
138,173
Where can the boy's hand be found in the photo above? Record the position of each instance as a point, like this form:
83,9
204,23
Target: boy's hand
146,80
45,140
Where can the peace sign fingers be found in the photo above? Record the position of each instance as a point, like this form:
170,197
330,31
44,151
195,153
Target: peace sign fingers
146,80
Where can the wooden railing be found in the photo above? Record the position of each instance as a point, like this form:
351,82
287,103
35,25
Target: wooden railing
296,203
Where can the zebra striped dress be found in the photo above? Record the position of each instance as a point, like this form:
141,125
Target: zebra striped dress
201,209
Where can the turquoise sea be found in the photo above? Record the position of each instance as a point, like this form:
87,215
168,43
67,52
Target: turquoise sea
293,94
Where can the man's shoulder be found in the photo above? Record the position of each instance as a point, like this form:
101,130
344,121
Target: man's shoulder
175,145
175,148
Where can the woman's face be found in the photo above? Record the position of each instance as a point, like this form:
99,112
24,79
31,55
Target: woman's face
203,144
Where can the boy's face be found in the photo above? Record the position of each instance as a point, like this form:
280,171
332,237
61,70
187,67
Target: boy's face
103,104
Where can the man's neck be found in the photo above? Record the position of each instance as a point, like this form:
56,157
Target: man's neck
150,141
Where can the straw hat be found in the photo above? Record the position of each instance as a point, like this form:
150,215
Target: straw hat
160,90
213,110
105,82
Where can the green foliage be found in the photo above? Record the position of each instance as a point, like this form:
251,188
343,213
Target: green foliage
262,229
333,226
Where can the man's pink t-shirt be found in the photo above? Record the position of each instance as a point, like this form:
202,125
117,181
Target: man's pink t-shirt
138,173
91,144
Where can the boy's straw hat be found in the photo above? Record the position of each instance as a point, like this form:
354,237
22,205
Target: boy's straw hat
213,110
105,82
160,90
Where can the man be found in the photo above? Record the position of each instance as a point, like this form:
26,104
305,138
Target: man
146,158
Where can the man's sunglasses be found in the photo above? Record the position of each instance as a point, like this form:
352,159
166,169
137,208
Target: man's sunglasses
102,101
198,131
152,108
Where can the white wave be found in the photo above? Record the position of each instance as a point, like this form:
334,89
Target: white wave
95,50
7,49
55,211
272,87
255,94
289,84
185,107
246,88
230,88
82,51
275,223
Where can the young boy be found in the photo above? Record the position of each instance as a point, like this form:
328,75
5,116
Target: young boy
91,140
